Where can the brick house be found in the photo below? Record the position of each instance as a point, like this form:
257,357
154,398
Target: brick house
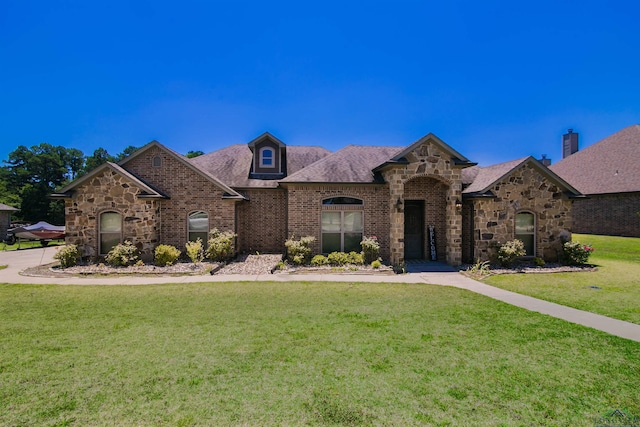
423,201
608,173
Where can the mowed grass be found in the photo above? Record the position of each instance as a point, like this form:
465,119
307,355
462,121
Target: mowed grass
28,244
263,354
613,290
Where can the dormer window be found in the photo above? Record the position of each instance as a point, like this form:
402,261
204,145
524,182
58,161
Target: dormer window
267,158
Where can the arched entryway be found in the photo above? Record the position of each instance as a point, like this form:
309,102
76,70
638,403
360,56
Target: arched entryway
425,219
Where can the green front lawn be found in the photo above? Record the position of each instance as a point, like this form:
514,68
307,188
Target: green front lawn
28,244
613,290
300,354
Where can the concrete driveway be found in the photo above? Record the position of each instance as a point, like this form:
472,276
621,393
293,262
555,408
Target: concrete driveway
20,260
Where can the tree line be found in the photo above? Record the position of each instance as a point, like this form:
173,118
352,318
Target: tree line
30,175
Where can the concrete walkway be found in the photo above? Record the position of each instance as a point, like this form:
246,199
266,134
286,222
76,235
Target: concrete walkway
20,260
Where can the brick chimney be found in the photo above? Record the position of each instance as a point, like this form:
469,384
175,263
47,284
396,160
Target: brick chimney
545,161
569,143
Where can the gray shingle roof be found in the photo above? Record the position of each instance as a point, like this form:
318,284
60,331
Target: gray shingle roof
352,164
4,207
611,165
232,164
480,180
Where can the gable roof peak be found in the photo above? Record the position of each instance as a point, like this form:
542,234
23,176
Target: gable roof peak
262,137
440,143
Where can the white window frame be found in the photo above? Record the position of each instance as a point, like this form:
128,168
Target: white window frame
532,233
101,233
272,158
190,230
342,209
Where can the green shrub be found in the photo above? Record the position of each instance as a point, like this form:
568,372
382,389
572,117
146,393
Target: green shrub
221,245
510,251
370,249
338,258
319,260
376,264
123,254
575,253
356,258
281,265
68,256
298,251
195,251
538,262
166,255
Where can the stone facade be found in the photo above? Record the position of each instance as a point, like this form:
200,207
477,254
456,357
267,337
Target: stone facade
609,214
304,207
430,161
111,192
262,224
523,190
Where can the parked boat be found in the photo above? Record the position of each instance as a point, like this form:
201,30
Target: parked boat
42,231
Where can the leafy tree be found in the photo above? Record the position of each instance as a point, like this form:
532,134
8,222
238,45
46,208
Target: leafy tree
34,173
99,156
126,152
191,154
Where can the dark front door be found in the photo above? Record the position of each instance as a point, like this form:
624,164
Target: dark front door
413,229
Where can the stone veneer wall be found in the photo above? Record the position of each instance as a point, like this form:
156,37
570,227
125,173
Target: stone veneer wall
188,191
304,206
523,190
111,192
430,161
467,232
434,194
608,214
262,221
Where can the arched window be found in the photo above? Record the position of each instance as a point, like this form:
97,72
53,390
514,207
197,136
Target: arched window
198,226
266,158
156,162
526,231
342,224
110,231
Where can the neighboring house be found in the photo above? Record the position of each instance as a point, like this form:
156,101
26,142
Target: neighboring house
424,201
608,173
5,219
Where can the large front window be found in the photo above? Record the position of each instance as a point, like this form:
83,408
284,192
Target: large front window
110,231
526,231
198,226
342,229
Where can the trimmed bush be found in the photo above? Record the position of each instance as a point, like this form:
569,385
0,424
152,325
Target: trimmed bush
319,260
376,264
370,249
510,251
338,258
538,262
221,245
195,251
123,254
356,258
166,255
68,256
575,253
298,251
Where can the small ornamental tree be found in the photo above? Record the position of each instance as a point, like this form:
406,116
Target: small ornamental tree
221,245
298,251
195,251
575,253
370,249
510,251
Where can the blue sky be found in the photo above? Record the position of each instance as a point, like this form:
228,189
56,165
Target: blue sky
496,80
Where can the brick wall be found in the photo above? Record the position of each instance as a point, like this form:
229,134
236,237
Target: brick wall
188,191
608,214
523,190
434,194
304,204
262,221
